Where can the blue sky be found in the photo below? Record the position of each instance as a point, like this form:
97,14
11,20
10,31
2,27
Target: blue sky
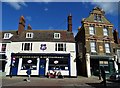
53,15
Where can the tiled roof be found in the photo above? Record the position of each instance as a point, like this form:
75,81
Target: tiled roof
41,35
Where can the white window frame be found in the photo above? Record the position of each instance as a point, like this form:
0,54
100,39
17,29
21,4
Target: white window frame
105,31
7,35
92,30
107,47
57,47
56,35
23,47
29,35
93,46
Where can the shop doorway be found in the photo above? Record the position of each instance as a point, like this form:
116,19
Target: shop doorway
42,67
14,67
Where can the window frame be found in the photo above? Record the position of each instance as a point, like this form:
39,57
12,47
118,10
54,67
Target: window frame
93,48
92,30
97,17
105,31
57,35
60,47
107,49
26,46
6,35
29,35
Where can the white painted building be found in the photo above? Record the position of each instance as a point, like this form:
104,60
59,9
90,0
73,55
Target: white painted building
43,50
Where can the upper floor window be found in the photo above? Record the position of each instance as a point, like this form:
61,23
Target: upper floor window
3,47
60,47
107,47
93,46
92,30
97,17
29,35
105,31
26,46
7,35
56,35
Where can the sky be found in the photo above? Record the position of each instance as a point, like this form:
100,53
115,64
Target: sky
47,15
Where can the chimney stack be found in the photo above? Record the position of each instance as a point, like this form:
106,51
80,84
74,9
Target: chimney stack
21,26
115,35
70,23
29,27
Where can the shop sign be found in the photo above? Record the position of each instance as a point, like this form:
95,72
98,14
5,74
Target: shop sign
43,47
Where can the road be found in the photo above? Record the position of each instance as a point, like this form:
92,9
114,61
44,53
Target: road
38,82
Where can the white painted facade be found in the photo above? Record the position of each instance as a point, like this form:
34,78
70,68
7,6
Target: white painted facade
16,47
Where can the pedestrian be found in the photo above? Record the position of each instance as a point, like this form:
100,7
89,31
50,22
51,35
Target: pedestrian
103,76
28,73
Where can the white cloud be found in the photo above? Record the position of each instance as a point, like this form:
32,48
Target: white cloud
16,4
29,18
108,7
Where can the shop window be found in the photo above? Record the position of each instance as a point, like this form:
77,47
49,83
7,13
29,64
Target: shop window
93,46
60,47
3,49
26,46
62,63
105,65
92,30
26,62
107,47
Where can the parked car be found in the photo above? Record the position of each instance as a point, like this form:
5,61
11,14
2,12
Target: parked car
115,77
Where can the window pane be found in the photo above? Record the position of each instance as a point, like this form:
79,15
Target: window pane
93,47
105,31
3,47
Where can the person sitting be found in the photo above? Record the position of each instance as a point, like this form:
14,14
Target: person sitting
59,75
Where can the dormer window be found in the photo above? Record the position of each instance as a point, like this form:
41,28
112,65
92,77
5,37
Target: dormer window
7,35
97,18
56,35
29,35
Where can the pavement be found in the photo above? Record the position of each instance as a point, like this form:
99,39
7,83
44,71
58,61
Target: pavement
38,82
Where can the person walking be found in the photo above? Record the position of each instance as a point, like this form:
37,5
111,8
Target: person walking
28,73
103,76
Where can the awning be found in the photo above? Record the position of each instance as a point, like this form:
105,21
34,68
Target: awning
101,57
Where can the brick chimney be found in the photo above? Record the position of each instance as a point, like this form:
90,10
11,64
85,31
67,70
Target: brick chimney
115,35
70,23
29,27
21,26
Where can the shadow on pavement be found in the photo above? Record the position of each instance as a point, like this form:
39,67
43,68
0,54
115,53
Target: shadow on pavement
108,85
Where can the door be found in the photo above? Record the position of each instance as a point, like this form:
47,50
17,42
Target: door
14,67
42,67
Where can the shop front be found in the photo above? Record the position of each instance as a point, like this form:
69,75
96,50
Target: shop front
101,61
40,63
